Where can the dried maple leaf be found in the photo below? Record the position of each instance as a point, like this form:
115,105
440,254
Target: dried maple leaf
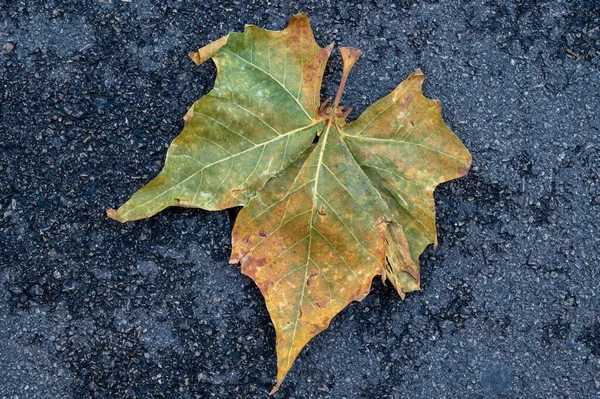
319,220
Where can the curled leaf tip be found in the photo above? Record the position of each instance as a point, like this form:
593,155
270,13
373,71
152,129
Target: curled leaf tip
206,52
195,57
114,214
188,116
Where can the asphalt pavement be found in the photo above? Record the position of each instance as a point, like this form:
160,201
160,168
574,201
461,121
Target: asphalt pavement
92,93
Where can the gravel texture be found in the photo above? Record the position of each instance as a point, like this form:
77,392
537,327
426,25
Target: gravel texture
92,93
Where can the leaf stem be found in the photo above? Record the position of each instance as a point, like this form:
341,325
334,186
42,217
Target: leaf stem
349,57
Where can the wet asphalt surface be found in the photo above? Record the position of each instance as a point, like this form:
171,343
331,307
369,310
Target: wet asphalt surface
93,92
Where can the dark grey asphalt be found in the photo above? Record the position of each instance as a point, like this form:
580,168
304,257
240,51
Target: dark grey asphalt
93,92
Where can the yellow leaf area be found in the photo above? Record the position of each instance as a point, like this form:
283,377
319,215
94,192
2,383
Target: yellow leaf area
319,220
